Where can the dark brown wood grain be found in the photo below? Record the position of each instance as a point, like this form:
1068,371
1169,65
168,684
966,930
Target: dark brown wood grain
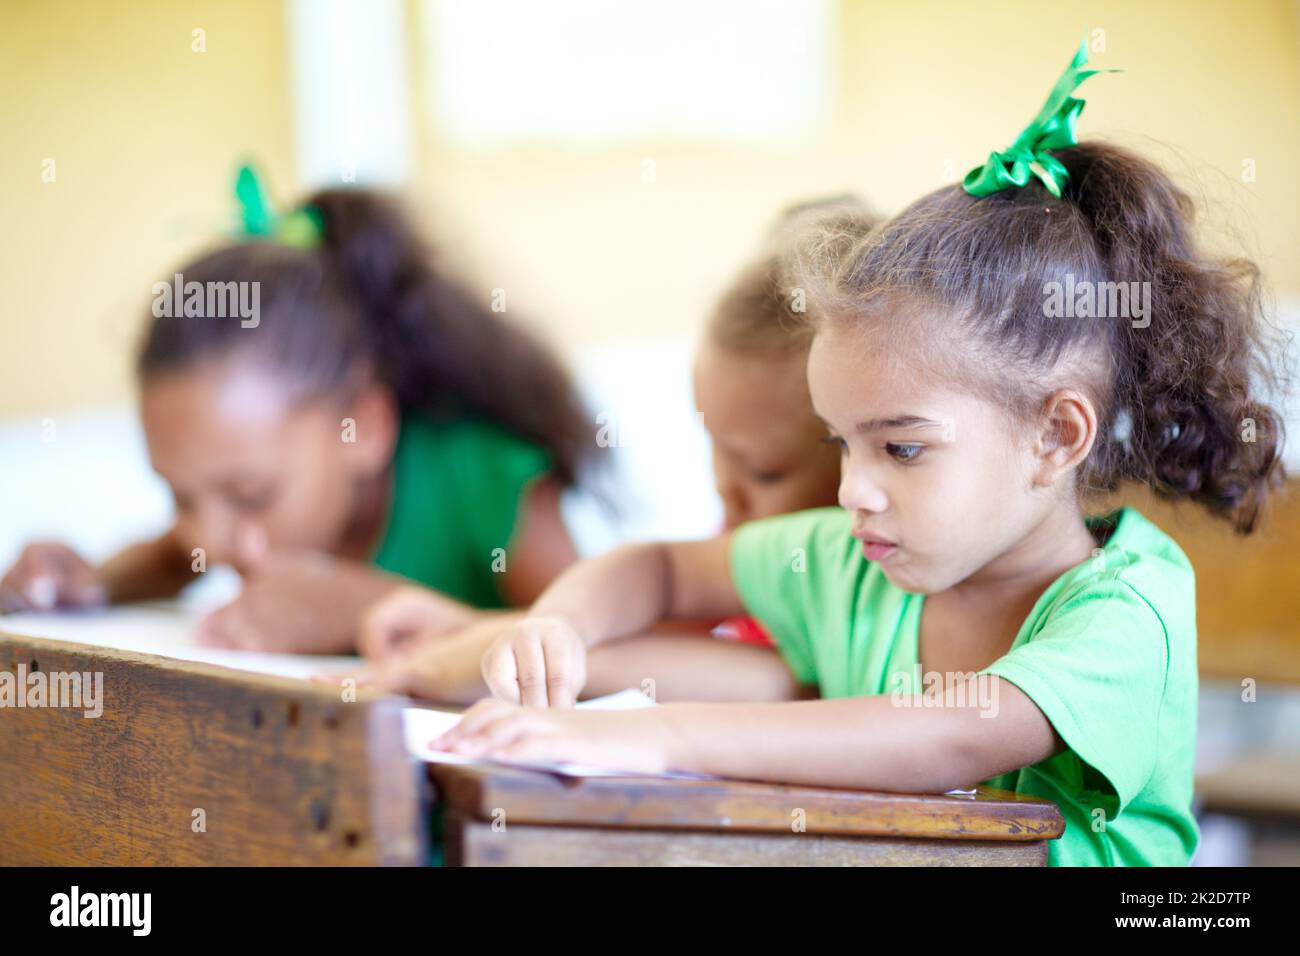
284,771
531,797
476,843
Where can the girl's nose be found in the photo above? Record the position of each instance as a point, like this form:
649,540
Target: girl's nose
249,546
211,529
735,507
858,492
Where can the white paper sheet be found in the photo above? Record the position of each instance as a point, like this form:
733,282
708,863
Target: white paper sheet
423,725
167,629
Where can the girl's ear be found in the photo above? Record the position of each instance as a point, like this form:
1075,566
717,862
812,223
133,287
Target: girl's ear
1069,430
376,420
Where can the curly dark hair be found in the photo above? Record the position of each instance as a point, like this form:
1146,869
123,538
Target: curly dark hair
1176,393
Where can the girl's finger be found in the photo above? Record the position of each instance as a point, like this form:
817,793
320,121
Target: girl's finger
80,587
386,625
559,672
43,578
490,737
379,676
530,660
11,600
471,722
501,672
42,591
477,717
211,631
235,631
380,641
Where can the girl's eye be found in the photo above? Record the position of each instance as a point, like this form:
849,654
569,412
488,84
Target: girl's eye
901,452
837,440
252,503
768,477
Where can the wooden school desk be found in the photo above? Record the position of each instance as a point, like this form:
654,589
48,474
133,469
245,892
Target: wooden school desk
196,764
503,816
282,771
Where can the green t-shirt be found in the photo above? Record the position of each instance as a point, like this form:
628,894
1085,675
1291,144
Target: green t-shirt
457,486
1108,654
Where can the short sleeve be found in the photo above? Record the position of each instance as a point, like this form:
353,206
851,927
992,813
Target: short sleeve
496,468
1097,670
770,559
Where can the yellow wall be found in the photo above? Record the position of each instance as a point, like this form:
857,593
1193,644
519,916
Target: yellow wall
146,134
926,87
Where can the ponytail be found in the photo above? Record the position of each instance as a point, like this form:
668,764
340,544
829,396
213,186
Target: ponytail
1185,376
439,347
368,295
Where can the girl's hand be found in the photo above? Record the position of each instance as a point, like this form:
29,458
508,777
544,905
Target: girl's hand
537,662
392,624
303,602
635,740
445,668
49,575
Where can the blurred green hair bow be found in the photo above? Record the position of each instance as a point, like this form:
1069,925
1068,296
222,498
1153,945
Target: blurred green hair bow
303,227
1052,128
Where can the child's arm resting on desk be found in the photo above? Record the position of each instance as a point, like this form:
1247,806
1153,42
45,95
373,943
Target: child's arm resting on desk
866,743
447,669
49,574
542,659
692,666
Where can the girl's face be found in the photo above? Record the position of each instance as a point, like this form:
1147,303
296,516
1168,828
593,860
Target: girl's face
768,453
937,482
251,469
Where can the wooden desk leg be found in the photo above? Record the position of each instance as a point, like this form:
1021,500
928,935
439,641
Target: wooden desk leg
475,843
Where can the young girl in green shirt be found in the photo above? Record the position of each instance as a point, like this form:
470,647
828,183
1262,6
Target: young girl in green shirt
963,619
375,422
768,459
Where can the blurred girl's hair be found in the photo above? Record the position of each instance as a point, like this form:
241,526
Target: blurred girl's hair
760,312
371,297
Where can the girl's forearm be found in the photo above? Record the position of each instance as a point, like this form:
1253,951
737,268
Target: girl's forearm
623,592
863,743
447,668
690,666
672,666
147,570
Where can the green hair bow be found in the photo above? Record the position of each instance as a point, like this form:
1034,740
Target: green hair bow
303,227
1052,128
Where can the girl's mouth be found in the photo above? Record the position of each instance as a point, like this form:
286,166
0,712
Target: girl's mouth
874,548
877,551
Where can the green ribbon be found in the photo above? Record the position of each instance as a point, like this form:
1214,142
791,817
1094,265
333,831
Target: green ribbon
1052,128
302,227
